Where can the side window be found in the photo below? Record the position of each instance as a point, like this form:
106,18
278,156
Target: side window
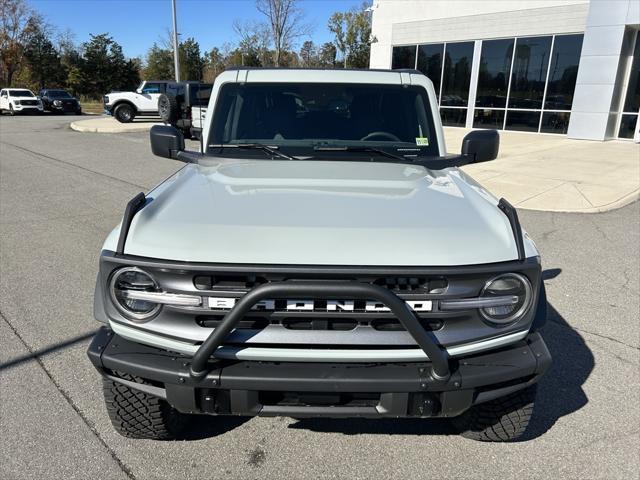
3,93
153,88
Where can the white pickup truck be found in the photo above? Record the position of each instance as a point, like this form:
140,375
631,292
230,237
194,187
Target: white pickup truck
125,106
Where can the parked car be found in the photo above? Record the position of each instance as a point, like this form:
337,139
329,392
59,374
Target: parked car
59,101
184,106
323,256
19,100
125,106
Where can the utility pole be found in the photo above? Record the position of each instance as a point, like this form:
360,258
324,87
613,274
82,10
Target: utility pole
176,53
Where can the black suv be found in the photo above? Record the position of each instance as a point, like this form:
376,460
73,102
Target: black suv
59,101
184,105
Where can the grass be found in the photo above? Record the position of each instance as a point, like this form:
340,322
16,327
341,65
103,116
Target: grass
92,107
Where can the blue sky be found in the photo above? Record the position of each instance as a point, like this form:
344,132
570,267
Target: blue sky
136,24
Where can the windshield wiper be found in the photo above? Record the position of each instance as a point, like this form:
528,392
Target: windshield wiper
355,148
255,146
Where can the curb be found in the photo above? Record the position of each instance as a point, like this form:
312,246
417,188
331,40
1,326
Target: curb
92,128
619,203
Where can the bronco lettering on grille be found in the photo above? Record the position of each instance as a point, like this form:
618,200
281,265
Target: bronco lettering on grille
222,303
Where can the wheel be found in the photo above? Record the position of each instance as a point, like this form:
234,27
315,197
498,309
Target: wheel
168,108
136,414
124,113
500,420
79,112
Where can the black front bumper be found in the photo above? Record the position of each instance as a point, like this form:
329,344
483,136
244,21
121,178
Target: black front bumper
321,389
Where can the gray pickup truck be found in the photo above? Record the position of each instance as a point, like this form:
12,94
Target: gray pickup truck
323,256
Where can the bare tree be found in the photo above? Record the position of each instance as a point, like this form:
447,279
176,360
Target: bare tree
17,22
286,22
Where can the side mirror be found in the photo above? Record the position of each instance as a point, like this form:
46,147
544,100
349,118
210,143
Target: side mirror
481,145
166,141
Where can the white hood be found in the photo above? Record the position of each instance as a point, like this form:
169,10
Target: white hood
320,213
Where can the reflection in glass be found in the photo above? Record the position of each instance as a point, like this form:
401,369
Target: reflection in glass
485,118
493,77
529,72
555,122
628,125
523,121
632,101
456,74
430,63
453,117
563,72
404,57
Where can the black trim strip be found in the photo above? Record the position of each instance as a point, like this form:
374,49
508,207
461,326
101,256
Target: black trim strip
133,207
315,270
511,213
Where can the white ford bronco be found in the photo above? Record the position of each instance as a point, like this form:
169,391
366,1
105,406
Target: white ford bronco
322,256
125,106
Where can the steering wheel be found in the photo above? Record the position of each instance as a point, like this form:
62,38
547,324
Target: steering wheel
387,135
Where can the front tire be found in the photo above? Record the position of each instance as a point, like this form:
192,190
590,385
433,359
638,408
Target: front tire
135,414
124,113
501,420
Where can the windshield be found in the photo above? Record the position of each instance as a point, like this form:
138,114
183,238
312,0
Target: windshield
302,118
58,94
21,93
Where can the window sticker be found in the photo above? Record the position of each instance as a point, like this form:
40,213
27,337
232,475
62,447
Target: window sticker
422,141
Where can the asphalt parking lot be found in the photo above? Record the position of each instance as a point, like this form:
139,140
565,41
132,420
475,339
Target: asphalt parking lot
61,192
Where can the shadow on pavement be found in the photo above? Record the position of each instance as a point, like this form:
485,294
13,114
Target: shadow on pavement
45,351
207,426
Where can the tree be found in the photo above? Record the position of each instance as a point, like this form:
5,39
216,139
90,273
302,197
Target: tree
285,20
327,55
104,67
353,37
308,54
159,63
45,67
17,22
214,65
191,63
253,47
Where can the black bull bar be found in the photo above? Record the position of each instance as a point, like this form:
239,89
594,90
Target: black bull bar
324,290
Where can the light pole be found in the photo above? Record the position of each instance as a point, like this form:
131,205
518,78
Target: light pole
176,54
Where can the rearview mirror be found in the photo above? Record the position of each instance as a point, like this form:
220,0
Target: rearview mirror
482,145
166,141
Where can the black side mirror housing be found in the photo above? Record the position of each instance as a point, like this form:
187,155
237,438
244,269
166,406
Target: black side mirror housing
166,141
481,145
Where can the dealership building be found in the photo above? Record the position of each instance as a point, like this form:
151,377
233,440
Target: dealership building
567,67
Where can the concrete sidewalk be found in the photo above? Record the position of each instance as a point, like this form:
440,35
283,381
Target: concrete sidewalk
106,124
555,173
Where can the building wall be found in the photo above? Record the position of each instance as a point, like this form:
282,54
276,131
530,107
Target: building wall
397,22
609,28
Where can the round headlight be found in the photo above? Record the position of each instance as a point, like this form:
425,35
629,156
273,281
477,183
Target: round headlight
57,103
133,279
504,286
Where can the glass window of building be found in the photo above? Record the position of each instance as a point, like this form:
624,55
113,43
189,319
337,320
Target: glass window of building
487,118
629,118
555,122
453,117
430,63
456,74
493,76
529,73
563,71
404,57
522,120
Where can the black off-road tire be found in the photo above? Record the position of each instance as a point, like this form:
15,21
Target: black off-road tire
168,108
124,113
501,420
135,414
